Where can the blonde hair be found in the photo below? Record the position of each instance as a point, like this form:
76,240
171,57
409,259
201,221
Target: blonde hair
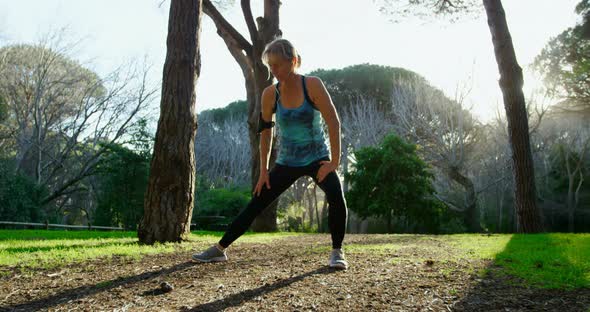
282,48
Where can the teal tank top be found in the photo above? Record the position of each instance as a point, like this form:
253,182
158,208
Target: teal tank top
300,133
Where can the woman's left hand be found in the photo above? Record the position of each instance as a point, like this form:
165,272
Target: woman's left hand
325,168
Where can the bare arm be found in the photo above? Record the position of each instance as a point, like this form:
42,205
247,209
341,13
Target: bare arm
267,104
319,95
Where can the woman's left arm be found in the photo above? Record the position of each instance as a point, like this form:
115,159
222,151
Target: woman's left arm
321,98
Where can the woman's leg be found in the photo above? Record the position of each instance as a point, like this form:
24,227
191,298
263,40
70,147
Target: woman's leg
337,211
280,178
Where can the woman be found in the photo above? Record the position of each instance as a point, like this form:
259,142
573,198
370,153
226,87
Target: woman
299,103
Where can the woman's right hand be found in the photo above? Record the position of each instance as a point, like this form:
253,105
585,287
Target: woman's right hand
262,181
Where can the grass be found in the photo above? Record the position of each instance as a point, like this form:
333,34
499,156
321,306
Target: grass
541,260
552,260
48,249
44,235
549,260
475,246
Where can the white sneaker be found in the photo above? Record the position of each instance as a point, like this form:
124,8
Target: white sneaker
337,260
212,254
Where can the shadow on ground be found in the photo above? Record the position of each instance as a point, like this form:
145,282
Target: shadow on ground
238,299
85,291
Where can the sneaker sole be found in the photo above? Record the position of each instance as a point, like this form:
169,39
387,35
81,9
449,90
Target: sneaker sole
339,266
218,259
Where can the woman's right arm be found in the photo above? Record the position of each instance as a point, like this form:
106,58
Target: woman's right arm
268,97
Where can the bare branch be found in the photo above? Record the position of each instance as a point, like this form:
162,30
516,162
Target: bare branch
247,11
225,29
449,203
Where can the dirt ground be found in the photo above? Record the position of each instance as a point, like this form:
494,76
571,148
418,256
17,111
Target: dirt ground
289,274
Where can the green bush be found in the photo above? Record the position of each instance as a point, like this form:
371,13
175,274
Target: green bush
3,109
227,202
291,220
123,177
19,196
391,181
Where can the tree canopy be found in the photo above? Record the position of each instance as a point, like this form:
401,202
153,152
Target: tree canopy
565,66
364,80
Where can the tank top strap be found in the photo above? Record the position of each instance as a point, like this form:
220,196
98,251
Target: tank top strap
307,98
277,97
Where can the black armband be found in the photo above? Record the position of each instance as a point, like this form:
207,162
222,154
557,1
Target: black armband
262,125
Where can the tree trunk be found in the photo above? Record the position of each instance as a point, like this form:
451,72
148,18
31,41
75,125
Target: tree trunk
576,200
308,207
352,220
344,165
389,229
317,211
515,220
573,196
267,220
248,56
511,82
169,197
500,210
324,215
500,207
471,212
570,203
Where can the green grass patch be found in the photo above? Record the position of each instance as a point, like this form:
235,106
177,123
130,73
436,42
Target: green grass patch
549,260
60,235
554,260
49,249
56,252
476,246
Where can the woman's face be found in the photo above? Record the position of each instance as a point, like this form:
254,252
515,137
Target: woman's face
280,67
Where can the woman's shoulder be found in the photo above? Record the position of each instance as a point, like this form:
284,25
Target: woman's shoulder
269,92
269,89
313,79
314,84
268,96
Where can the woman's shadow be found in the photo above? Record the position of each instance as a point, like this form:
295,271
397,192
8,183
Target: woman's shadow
247,295
89,290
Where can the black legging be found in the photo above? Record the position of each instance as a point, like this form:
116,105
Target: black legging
281,177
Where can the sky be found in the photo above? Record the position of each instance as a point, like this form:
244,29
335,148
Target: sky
329,34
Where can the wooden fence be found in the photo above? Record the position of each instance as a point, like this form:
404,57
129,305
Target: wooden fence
206,220
47,226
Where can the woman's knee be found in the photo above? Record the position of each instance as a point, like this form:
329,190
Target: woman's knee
333,190
336,199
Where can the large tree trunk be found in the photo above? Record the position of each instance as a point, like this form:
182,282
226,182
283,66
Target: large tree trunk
248,56
169,198
267,220
511,82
